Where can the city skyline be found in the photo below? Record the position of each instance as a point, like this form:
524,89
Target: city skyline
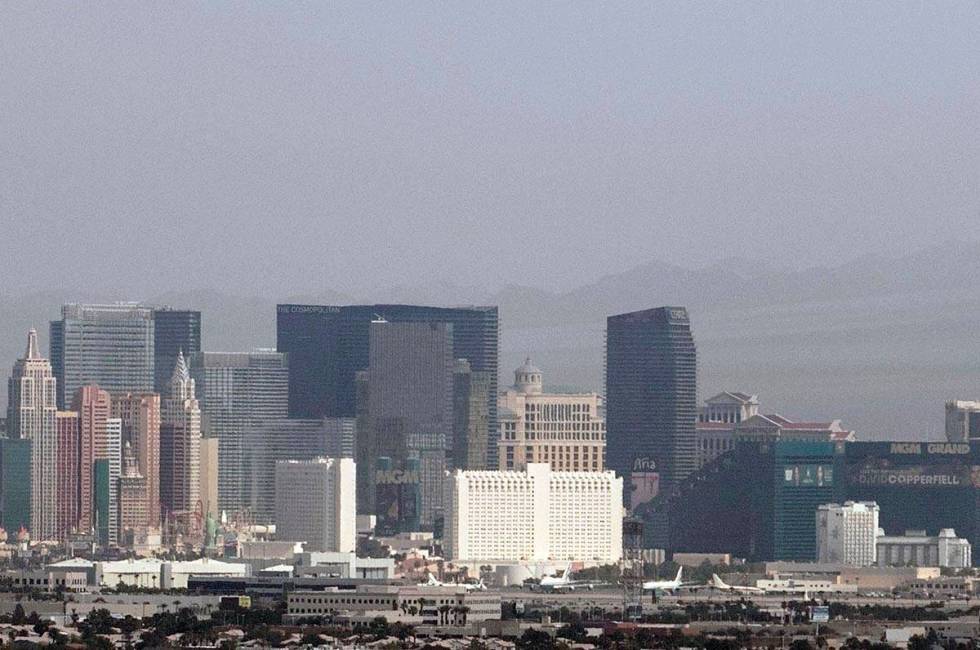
634,325
878,339
872,420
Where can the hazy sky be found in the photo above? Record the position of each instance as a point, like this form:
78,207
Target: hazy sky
287,147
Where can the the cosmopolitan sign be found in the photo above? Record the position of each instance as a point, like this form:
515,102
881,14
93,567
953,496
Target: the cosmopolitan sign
307,309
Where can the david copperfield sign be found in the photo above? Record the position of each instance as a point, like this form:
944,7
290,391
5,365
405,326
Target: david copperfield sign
952,476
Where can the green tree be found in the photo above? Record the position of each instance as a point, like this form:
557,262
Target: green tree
40,627
574,632
98,621
58,640
535,640
98,643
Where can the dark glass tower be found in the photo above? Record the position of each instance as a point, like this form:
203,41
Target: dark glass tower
328,345
15,484
174,330
470,417
651,398
410,402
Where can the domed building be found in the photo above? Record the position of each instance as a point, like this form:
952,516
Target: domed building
527,378
564,430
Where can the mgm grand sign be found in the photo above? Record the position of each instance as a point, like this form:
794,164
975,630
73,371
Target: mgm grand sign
933,448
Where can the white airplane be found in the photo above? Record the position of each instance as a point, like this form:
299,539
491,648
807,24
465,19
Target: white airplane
669,585
565,582
469,586
721,585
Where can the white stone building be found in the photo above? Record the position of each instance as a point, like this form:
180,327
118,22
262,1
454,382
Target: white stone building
535,515
180,443
730,407
316,504
847,533
113,445
915,548
564,430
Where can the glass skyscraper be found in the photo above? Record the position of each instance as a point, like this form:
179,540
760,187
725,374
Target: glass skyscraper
270,441
174,330
109,345
328,345
410,403
470,417
15,484
236,389
651,399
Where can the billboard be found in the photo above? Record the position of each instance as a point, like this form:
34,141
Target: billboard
820,614
644,488
397,496
809,475
644,483
936,476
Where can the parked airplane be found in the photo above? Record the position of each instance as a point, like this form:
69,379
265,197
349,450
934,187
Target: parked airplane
469,586
721,585
565,582
669,585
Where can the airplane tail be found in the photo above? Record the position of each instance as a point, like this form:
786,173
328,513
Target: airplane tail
566,576
717,582
680,570
432,581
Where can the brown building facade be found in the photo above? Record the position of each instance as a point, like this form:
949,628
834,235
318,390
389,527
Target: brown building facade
140,415
93,406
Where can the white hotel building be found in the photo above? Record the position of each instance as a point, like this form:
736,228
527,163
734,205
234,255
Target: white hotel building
534,515
847,534
316,504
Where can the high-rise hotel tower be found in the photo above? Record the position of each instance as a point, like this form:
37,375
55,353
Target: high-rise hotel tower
31,415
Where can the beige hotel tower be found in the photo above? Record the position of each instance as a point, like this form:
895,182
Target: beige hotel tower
564,430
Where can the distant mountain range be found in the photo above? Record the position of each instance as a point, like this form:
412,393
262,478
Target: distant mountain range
879,342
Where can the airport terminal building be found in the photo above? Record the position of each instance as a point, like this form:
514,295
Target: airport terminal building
759,500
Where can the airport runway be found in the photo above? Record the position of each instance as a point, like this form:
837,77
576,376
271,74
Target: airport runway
609,598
